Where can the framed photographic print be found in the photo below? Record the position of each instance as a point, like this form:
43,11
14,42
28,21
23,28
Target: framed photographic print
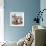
16,18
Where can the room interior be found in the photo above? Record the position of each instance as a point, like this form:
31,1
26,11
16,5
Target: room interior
32,33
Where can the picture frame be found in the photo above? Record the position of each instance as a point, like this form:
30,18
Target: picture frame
16,18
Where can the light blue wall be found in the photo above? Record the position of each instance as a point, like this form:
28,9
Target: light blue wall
43,6
29,7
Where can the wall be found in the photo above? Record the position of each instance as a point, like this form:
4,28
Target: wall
1,21
29,7
43,6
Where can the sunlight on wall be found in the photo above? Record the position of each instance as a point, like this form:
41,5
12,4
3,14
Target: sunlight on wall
1,21
1,25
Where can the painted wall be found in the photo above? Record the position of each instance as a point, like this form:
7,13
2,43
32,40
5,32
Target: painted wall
29,7
1,21
43,6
